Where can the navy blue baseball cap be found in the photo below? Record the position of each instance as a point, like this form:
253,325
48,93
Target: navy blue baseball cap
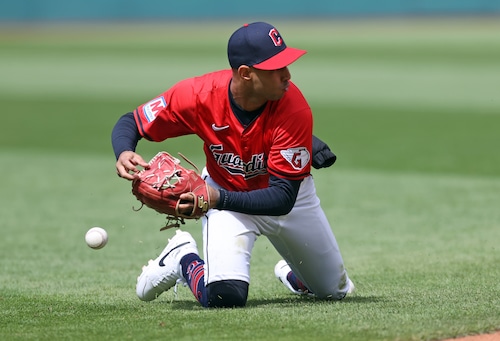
261,46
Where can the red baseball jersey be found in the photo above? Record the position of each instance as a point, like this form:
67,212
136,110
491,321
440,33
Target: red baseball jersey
277,142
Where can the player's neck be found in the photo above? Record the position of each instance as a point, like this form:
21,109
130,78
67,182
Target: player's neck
244,98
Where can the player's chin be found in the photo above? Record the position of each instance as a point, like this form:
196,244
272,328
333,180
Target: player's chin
278,95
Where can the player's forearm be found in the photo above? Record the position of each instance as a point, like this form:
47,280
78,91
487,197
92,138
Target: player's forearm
278,199
125,135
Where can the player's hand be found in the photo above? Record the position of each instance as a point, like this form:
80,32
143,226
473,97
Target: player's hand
187,200
126,165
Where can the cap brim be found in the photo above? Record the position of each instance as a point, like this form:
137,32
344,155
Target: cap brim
280,60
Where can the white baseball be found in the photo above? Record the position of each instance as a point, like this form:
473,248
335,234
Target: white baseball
96,238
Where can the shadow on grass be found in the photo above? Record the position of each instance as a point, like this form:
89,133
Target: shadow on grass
294,300
282,302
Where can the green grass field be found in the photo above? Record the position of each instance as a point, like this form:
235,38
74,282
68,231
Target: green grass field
412,108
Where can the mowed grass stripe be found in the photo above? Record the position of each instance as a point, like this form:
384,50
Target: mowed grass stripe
363,136
455,66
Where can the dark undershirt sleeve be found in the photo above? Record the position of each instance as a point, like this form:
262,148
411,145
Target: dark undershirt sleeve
125,134
277,199
322,156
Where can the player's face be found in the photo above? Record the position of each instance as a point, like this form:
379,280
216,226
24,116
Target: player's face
271,84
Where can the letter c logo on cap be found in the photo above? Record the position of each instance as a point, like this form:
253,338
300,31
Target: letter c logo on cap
275,37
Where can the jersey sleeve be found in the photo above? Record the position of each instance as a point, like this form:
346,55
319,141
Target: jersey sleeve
168,115
291,149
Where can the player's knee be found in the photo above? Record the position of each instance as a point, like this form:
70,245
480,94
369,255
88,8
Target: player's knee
227,294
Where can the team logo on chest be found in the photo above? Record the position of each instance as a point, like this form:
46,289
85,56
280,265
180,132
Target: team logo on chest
298,157
236,166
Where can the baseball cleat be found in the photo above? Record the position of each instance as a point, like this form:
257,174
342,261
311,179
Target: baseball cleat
281,271
351,287
161,274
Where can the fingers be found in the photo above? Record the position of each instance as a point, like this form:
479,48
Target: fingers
126,165
186,203
140,161
187,197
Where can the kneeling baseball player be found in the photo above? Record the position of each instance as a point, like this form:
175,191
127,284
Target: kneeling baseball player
256,128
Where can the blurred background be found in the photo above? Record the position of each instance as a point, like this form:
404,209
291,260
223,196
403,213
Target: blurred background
46,10
390,65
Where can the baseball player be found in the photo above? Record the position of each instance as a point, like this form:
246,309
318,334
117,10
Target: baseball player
256,128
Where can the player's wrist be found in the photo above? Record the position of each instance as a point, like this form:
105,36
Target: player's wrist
214,197
221,199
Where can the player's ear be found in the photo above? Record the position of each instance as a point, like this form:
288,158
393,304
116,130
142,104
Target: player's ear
244,72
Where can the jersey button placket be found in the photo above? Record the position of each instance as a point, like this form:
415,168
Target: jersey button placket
245,148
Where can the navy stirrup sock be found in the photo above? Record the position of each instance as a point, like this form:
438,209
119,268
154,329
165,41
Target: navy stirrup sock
296,283
193,273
